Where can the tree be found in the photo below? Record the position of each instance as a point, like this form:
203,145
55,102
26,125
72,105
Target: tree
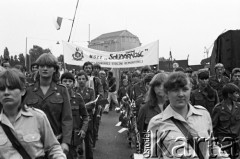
36,51
6,54
16,62
21,59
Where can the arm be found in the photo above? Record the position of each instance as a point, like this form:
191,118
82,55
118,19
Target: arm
66,118
51,145
83,113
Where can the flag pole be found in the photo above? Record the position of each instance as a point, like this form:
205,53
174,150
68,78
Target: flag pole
73,21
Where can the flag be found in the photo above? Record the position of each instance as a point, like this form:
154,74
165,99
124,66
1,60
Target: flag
58,23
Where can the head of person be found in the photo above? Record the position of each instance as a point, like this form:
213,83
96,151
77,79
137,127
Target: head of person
203,78
96,69
145,70
230,91
125,81
48,67
156,88
88,68
110,74
236,75
175,65
21,68
12,88
34,67
102,74
136,76
82,78
178,88
67,79
189,71
5,63
219,69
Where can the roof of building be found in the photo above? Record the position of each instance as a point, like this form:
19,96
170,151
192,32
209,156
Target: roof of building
115,34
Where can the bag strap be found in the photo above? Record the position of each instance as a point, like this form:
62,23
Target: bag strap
188,136
16,144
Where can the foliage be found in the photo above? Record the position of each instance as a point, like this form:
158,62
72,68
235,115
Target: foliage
6,53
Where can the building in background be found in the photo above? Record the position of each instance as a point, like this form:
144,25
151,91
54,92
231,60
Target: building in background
113,42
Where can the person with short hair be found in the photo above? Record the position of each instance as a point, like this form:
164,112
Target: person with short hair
88,95
204,95
226,118
80,117
235,76
172,141
52,98
29,125
5,63
218,80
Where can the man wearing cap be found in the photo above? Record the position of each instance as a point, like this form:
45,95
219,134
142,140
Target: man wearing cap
218,80
204,95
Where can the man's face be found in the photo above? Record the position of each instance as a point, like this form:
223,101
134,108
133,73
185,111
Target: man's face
203,82
219,71
234,97
236,76
179,97
88,69
34,68
82,80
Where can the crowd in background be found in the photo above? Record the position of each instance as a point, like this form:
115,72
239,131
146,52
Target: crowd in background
71,103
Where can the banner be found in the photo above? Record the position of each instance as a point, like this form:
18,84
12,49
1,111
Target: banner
137,57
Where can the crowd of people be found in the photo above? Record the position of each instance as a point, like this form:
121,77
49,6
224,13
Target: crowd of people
53,115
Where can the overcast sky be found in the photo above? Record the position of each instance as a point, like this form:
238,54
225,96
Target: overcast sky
184,26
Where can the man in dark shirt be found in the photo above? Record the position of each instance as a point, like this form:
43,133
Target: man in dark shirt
112,93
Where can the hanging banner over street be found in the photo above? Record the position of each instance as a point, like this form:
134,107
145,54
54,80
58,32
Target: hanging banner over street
137,57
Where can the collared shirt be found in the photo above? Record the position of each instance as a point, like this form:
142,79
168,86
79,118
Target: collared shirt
169,137
217,84
33,131
56,105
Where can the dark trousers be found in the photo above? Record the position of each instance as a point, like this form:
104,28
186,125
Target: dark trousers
89,140
96,123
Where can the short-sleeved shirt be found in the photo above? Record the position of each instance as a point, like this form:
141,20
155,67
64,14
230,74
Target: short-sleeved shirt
33,131
169,136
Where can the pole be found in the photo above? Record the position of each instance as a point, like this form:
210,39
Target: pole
26,54
88,34
73,21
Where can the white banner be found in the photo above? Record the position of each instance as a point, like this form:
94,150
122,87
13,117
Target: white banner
137,57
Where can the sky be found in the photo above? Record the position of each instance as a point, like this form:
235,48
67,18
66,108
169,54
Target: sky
185,27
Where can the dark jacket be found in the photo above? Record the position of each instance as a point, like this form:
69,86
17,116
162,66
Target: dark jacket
218,85
79,111
56,105
88,96
207,98
226,123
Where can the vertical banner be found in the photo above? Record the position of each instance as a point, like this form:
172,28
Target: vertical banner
137,57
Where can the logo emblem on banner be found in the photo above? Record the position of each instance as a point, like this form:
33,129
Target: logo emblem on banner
78,55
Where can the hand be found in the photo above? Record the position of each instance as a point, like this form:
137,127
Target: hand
82,134
65,148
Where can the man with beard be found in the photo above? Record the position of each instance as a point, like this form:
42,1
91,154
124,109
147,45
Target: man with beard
204,95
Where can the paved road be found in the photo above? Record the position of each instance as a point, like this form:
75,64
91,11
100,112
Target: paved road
111,144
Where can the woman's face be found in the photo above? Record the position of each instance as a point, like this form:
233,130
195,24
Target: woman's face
179,97
158,89
69,83
46,71
11,97
82,80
